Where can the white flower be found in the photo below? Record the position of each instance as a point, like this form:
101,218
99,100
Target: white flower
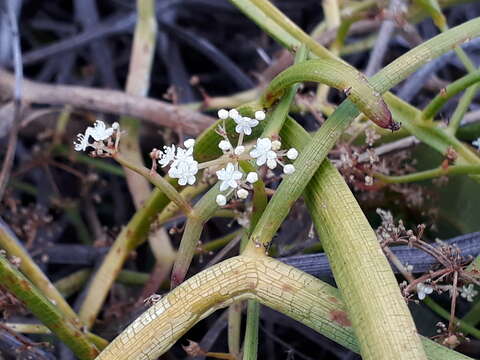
189,143
221,200
99,132
260,115
242,193
168,155
292,154
233,114
423,290
185,171
468,292
289,169
244,124
183,155
252,177
82,143
276,145
239,150
222,114
263,152
229,177
476,143
225,145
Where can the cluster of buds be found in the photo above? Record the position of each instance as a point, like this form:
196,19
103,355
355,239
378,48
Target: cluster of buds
182,165
102,138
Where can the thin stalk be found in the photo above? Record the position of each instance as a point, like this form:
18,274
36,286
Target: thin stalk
250,345
138,83
202,212
157,180
450,91
429,174
234,328
68,331
461,109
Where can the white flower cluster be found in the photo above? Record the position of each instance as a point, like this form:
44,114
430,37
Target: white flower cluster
100,133
264,152
182,165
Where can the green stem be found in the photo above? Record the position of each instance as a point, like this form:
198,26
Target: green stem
68,331
157,180
250,346
429,174
450,91
461,109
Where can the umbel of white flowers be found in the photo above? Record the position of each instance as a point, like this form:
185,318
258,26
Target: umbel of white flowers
183,166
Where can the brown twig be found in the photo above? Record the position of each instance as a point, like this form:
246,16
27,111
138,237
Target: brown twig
108,101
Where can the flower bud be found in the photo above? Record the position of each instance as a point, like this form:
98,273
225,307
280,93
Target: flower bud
289,169
292,154
221,200
252,177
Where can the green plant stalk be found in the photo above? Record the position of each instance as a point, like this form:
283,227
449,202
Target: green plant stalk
220,242
429,132
161,183
431,110
74,216
250,345
72,283
277,117
131,236
10,243
336,75
202,212
461,109
274,284
99,342
429,174
309,160
68,331
234,328
138,83
473,316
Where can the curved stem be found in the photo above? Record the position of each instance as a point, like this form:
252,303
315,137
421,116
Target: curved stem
264,279
450,91
429,174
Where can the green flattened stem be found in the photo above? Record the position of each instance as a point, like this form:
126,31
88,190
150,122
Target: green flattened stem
270,282
340,76
67,331
429,174
202,212
379,334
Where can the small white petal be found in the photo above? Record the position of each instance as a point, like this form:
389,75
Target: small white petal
189,143
252,177
260,115
271,163
292,154
239,150
242,193
276,145
222,114
221,200
115,126
233,114
289,169
225,145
